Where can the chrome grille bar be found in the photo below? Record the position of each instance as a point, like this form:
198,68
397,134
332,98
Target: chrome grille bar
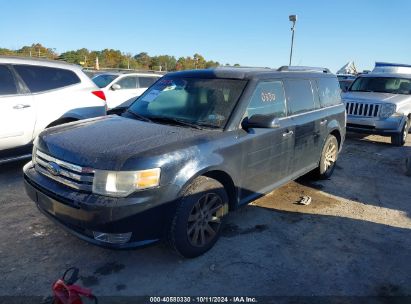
70,175
80,178
362,109
71,184
63,163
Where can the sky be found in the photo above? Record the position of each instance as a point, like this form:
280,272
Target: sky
251,33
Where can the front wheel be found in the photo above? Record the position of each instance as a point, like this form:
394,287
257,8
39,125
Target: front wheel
329,155
399,139
197,223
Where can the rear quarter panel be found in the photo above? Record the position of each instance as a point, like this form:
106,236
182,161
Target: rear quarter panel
75,101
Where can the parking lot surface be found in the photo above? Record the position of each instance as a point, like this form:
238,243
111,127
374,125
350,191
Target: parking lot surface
354,239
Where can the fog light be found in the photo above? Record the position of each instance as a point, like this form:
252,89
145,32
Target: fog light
112,238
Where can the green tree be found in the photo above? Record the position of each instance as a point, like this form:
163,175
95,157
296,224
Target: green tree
37,50
144,60
7,52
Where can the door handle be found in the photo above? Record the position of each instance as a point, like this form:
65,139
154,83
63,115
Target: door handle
288,133
323,122
21,106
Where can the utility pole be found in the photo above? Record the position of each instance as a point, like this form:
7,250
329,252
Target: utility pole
293,19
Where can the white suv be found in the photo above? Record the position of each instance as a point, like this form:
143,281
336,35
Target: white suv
119,87
380,102
36,94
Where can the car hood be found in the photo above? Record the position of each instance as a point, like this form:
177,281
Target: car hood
109,142
375,97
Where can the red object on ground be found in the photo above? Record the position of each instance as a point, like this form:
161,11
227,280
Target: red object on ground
66,293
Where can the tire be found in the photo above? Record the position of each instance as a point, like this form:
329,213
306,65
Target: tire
198,211
399,139
408,166
328,159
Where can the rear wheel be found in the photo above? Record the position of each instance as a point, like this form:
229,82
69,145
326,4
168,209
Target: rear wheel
197,223
329,155
399,139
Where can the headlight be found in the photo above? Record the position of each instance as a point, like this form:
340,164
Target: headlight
387,109
123,183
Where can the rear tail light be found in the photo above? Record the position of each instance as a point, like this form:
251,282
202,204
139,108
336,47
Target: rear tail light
100,94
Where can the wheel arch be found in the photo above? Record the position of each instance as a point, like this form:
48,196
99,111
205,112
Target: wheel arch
222,177
337,135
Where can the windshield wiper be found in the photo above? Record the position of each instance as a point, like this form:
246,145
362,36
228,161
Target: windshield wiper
175,121
138,116
207,125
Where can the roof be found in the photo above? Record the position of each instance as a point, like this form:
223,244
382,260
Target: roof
389,75
390,68
37,61
250,72
98,73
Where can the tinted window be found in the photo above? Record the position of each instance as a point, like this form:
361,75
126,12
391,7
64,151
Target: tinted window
127,83
391,85
300,97
268,99
103,80
146,82
205,102
39,78
329,91
7,83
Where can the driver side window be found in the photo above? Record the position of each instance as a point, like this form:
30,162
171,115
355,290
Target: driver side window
268,99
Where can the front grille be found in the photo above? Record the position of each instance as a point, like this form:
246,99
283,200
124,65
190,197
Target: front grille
362,109
70,175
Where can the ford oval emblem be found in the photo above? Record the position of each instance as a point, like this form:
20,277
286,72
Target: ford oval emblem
53,168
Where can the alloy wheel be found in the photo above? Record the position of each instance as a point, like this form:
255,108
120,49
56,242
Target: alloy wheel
204,221
330,156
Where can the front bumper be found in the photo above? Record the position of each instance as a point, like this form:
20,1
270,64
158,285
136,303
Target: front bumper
146,216
375,125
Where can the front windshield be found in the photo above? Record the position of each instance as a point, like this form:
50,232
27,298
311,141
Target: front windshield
391,85
203,102
103,80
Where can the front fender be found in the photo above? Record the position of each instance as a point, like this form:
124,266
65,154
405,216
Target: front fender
196,168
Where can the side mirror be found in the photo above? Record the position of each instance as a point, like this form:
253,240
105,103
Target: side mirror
260,121
116,87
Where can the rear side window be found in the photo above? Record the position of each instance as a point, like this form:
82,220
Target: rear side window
329,91
146,82
39,78
103,80
127,83
268,99
300,96
7,83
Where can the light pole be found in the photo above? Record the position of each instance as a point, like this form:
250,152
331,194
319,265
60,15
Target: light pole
293,19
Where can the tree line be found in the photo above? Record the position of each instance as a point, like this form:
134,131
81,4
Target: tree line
110,58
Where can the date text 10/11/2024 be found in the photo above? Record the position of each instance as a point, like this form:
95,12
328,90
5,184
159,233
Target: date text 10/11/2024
239,299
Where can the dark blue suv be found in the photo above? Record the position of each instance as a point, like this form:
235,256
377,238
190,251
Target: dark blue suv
194,146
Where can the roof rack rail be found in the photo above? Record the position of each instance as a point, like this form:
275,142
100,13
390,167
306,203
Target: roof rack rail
122,71
239,67
287,68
